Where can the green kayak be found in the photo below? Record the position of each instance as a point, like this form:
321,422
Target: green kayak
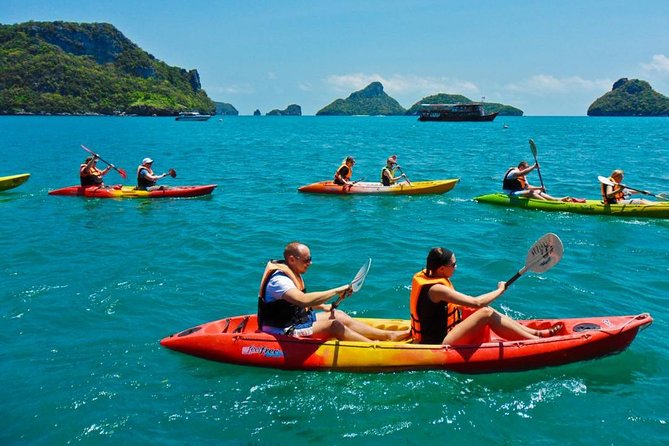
659,209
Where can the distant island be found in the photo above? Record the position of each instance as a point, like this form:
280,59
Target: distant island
223,108
291,110
372,100
89,68
630,97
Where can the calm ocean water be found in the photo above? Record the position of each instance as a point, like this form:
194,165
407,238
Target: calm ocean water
89,287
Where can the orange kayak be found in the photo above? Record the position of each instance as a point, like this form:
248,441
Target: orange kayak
237,340
368,188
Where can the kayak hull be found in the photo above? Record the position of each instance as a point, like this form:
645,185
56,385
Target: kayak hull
592,207
12,181
369,188
131,192
237,340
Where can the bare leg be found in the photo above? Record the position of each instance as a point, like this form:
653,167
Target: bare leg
507,328
363,329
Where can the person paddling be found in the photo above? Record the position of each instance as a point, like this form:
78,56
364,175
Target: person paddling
343,174
90,175
515,184
387,173
617,193
146,179
437,315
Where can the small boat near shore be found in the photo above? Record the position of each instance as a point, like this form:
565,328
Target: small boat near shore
120,191
473,112
12,181
370,188
590,207
237,340
192,116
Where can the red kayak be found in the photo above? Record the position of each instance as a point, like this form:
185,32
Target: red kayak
237,340
130,191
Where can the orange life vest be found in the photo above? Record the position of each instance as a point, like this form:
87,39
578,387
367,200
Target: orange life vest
92,177
338,176
617,197
442,317
513,184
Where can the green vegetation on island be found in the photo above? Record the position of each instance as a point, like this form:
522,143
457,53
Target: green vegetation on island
443,98
630,97
291,110
89,68
371,100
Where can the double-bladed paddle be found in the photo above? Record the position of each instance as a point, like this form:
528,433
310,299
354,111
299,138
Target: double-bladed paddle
608,182
120,171
542,256
356,283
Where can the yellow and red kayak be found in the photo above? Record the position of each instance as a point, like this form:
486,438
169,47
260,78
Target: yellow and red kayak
368,188
130,191
12,181
237,340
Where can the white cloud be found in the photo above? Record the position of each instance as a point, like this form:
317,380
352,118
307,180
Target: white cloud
398,84
305,86
243,89
546,84
659,62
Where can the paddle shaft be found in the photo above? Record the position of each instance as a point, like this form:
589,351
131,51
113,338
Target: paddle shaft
533,148
405,176
120,171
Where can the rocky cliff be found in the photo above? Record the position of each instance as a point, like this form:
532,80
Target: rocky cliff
63,67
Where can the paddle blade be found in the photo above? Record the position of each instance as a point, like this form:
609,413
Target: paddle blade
533,148
122,172
662,196
606,181
544,254
360,277
172,173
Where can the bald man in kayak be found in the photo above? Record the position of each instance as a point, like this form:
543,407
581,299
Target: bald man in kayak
285,307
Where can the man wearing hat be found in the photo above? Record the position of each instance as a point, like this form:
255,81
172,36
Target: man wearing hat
146,179
387,177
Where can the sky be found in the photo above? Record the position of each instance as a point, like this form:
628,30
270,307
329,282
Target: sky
548,58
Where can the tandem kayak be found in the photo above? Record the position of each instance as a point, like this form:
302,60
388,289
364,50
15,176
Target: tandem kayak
369,188
131,192
13,181
237,340
658,209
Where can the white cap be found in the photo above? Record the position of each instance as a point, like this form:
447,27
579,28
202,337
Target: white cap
147,161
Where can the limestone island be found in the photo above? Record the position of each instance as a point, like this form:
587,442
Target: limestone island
630,97
90,68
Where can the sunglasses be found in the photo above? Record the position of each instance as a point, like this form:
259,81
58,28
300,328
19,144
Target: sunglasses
304,259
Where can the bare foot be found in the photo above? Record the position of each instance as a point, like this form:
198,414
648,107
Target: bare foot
397,336
547,333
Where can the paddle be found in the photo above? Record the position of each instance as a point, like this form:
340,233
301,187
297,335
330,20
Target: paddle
660,196
405,176
356,283
120,171
542,256
533,148
172,173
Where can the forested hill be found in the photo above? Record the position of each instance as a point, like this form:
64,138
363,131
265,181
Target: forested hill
80,68
630,97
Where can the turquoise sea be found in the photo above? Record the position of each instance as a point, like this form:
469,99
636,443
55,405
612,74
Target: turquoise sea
89,286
